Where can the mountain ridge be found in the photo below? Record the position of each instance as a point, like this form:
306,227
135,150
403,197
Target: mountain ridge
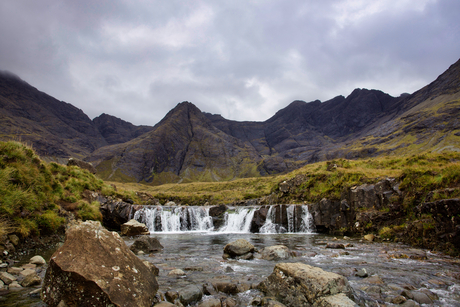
191,145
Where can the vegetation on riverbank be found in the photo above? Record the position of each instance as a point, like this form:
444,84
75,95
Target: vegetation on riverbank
34,193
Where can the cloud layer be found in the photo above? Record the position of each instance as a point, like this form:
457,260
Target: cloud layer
243,59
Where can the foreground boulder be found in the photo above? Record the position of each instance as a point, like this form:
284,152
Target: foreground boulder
134,228
94,267
239,249
298,284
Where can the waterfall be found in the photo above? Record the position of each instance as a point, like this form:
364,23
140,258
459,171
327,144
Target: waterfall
174,219
239,221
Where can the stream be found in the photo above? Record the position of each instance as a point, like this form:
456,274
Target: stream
193,245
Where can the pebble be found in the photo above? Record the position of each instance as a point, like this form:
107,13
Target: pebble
38,260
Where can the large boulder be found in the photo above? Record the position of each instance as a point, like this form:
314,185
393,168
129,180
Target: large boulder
240,248
116,213
134,228
146,244
298,284
94,267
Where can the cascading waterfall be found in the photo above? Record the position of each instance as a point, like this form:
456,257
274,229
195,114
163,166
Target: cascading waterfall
238,221
279,219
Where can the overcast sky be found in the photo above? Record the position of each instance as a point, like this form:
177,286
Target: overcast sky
243,59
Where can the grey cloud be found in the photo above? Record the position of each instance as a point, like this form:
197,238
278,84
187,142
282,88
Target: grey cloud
243,59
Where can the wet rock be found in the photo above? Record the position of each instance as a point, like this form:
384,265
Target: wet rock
275,252
218,215
369,237
190,294
238,248
362,273
176,272
208,289
38,260
417,296
146,244
226,287
228,269
212,302
164,304
14,270
7,278
374,279
338,300
229,302
171,296
399,300
14,286
94,267
31,280
155,271
335,245
410,303
27,272
298,284
116,213
134,228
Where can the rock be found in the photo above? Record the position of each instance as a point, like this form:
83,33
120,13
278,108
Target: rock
146,244
369,237
362,273
399,300
212,302
27,272
226,287
410,303
374,279
190,294
2,284
31,280
14,270
7,278
238,248
29,266
116,213
134,228
155,271
335,245
176,272
171,296
94,267
14,239
82,164
164,304
421,298
14,286
338,300
38,260
276,252
298,284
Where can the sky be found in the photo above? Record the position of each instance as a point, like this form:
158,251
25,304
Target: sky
243,59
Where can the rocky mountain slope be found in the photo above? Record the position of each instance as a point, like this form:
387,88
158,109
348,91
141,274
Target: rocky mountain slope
192,145
54,128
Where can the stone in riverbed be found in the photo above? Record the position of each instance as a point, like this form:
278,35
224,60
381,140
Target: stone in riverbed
146,244
190,294
134,228
298,284
7,278
238,249
338,300
94,267
38,260
275,252
31,280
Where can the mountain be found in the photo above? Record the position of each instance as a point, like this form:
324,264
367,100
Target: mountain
115,130
183,145
54,128
191,145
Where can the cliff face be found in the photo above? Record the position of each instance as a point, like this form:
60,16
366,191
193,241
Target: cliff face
53,127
